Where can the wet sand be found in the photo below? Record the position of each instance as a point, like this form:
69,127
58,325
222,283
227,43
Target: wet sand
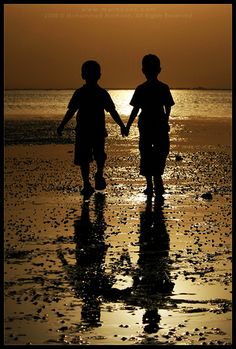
119,269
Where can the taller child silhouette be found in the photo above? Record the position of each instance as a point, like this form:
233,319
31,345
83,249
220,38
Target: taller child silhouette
154,99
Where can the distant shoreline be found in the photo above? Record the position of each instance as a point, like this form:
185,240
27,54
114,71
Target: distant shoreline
113,88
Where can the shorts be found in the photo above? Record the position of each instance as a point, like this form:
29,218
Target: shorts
154,149
88,149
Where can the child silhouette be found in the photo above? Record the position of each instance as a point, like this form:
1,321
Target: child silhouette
90,101
154,99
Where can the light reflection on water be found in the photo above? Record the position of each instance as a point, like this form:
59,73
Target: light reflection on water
53,103
123,313
33,116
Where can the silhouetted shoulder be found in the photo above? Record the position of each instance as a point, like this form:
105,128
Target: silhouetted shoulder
73,103
91,97
154,84
152,93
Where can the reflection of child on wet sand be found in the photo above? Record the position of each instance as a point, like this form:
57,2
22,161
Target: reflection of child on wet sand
90,101
88,275
154,99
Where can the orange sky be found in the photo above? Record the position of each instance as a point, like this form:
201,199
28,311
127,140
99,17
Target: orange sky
45,45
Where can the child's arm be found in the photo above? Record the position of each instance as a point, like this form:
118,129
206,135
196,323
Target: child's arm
133,115
69,114
168,109
116,117
167,114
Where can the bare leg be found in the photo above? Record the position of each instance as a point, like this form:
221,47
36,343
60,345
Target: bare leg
85,174
88,190
100,168
149,188
159,188
100,182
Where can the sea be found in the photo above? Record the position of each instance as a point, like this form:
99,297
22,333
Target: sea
32,116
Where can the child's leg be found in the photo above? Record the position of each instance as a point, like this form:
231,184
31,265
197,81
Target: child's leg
85,174
146,158
87,189
158,183
100,182
161,151
100,167
100,157
149,188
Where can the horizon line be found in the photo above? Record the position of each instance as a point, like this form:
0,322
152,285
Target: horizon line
116,88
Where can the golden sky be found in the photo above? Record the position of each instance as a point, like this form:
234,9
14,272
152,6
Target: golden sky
45,44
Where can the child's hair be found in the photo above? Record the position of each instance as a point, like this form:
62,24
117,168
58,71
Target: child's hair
151,64
91,70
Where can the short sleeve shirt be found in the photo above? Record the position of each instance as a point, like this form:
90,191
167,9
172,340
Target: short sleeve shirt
90,102
151,97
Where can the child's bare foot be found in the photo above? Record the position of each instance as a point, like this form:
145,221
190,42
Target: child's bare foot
87,191
148,191
100,182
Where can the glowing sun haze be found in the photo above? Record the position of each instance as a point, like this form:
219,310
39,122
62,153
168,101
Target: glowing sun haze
45,44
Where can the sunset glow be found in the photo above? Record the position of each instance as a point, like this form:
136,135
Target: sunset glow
45,45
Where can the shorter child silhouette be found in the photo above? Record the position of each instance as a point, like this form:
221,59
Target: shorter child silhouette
90,101
154,99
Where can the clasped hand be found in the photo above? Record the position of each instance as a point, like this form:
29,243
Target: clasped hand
124,131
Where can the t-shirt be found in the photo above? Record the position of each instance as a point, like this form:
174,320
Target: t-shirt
90,103
151,97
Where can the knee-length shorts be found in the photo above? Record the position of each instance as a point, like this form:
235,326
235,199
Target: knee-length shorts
89,148
154,148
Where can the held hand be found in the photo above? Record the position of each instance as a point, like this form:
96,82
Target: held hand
123,130
126,131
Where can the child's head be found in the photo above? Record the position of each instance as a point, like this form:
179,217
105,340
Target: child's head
91,71
151,66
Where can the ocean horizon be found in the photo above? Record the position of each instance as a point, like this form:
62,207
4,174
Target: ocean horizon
32,116
117,88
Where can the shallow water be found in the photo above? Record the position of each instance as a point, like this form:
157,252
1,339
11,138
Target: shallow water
49,104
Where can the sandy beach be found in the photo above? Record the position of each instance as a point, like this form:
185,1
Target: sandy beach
92,272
